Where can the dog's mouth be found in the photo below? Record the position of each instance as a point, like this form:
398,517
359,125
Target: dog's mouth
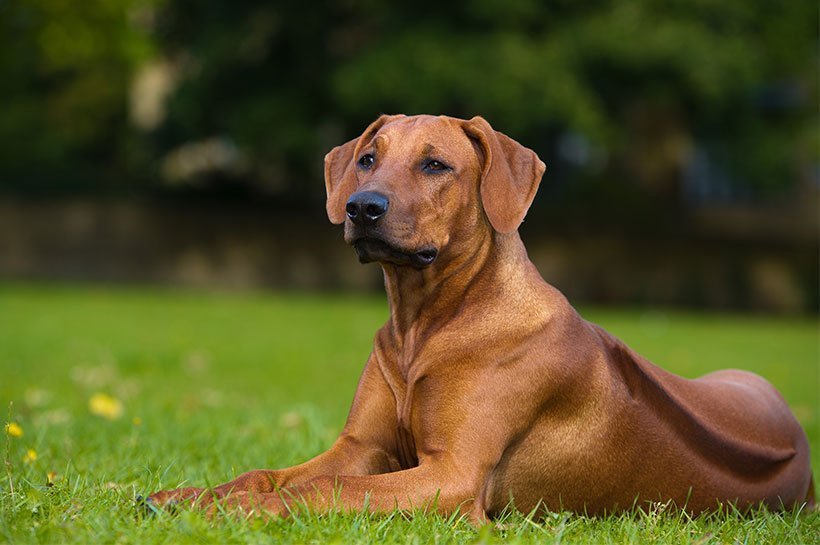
371,249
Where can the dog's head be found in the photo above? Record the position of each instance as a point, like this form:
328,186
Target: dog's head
411,190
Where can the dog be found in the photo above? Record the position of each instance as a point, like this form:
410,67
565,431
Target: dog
485,388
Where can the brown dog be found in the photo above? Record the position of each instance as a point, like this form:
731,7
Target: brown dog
485,386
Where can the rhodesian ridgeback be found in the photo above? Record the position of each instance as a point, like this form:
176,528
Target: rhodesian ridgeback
485,388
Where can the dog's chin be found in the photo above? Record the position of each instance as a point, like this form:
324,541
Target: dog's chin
374,249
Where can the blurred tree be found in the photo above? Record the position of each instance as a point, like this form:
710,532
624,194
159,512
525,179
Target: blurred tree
66,69
604,90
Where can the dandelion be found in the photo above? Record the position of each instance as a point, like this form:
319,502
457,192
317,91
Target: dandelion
14,429
105,406
137,421
31,456
51,478
291,420
35,397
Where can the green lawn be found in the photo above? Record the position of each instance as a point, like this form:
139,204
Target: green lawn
211,385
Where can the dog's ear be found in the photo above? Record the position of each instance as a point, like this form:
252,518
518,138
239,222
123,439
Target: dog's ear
509,177
340,169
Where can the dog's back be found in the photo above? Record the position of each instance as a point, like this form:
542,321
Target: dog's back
731,431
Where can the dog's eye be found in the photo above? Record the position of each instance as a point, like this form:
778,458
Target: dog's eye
366,160
435,166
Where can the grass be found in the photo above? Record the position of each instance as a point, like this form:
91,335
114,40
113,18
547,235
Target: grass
211,385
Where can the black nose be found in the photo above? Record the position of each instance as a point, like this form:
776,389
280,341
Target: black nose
366,207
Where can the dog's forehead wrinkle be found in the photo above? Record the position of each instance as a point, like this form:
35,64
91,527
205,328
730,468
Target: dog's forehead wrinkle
425,134
380,142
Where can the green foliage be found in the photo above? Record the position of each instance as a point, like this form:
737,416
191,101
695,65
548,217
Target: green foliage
642,81
66,69
219,384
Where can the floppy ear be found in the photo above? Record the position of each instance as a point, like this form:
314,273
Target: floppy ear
340,170
509,178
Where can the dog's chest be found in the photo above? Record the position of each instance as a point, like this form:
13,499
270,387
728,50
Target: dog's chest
403,372
410,367
403,388
405,436
406,448
405,440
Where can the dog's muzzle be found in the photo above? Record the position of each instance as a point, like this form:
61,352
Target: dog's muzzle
366,208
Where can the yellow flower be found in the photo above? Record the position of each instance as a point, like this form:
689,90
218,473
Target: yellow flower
51,478
14,429
137,421
105,406
31,456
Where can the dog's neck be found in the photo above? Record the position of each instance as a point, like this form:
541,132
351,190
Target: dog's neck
425,299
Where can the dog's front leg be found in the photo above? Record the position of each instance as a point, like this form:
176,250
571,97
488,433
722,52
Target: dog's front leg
435,485
365,447
347,455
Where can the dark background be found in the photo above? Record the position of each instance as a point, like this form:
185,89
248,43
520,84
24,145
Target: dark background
181,141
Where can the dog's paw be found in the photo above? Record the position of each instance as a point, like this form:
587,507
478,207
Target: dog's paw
248,504
169,500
